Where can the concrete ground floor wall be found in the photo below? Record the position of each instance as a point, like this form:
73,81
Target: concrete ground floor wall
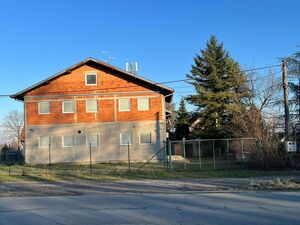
108,150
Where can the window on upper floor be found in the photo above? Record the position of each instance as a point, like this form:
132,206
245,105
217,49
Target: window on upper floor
44,107
90,79
125,138
143,103
44,142
68,107
124,104
93,139
68,141
91,105
145,138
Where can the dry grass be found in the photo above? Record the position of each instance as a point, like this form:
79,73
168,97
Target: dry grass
277,184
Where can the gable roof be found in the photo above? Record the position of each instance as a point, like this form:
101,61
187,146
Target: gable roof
167,92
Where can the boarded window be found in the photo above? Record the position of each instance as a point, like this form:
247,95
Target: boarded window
93,139
91,105
68,141
124,104
145,138
126,138
91,79
68,107
44,142
44,107
143,104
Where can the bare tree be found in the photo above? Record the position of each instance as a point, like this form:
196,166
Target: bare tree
265,90
266,96
13,125
259,117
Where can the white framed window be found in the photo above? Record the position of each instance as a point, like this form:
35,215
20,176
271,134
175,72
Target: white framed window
44,141
68,141
90,79
143,103
145,138
44,107
91,105
93,139
68,107
125,138
124,104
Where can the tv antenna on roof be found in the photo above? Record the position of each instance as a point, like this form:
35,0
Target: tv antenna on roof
109,57
132,67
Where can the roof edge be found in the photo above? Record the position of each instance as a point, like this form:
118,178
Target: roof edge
20,95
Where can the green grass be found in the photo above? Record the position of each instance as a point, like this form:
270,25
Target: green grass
115,171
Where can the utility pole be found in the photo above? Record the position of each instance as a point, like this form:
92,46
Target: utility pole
286,101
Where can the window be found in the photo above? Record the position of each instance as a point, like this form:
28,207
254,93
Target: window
143,104
91,79
44,142
124,104
93,139
68,107
125,138
68,141
145,138
44,107
91,105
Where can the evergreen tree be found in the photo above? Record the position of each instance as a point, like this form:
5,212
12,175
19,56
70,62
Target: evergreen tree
293,63
182,121
219,86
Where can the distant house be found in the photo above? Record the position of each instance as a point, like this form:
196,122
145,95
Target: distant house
93,104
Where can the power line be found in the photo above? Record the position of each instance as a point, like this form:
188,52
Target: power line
158,83
261,68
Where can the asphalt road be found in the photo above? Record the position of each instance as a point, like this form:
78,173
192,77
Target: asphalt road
153,208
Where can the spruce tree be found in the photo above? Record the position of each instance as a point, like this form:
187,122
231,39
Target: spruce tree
219,86
182,121
294,70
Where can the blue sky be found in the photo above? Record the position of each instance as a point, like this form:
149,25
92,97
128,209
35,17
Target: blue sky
40,38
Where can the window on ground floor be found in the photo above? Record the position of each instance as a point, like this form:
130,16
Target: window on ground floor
145,138
44,142
125,138
93,139
68,141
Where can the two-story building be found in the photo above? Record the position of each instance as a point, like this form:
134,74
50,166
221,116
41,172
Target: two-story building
93,104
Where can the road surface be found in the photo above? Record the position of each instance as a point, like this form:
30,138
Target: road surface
154,208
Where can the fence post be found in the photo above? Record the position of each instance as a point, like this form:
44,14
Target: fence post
242,146
199,148
184,160
214,154
9,172
170,155
91,167
129,169
49,154
165,157
227,149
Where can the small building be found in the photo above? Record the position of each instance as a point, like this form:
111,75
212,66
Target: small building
94,105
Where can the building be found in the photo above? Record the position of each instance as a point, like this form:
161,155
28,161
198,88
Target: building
93,104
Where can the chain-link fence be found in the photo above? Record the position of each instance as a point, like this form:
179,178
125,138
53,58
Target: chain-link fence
175,155
211,153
